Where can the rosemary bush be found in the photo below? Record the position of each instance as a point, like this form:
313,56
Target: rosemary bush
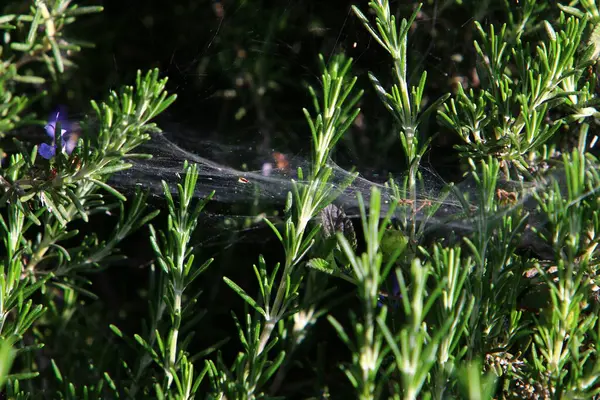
499,299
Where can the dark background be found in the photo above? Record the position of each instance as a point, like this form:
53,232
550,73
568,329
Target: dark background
267,53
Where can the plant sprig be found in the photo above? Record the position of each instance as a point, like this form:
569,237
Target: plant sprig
334,116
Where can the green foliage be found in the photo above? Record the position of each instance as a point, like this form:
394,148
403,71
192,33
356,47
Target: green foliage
507,117
34,47
333,117
42,201
404,101
162,343
488,290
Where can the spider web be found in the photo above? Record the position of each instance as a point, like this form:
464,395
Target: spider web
244,174
251,184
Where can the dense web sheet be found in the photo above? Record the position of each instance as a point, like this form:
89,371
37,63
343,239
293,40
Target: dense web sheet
243,174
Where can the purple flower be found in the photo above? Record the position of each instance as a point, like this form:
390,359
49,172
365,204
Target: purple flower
67,138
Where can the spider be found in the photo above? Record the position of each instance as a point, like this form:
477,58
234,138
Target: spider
409,202
405,202
506,196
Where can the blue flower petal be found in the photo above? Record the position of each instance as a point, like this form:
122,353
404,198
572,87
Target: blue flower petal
54,117
57,118
46,151
50,130
68,139
69,142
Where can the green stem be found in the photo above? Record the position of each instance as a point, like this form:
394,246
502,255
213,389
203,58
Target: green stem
277,310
